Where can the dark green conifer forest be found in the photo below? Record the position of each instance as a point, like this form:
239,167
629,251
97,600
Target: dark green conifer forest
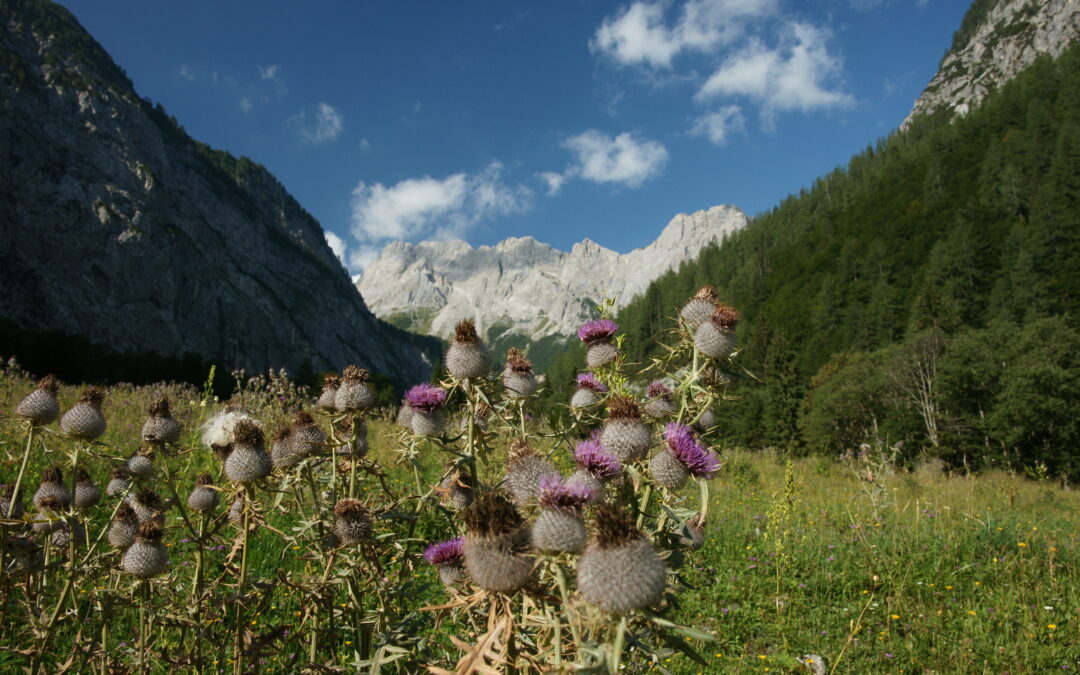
926,293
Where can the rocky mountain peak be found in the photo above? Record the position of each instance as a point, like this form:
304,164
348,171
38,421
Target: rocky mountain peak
998,39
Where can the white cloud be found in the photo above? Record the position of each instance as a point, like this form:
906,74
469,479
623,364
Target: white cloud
245,104
428,207
554,181
718,126
327,125
799,74
641,35
269,72
337,245
626,159
187,73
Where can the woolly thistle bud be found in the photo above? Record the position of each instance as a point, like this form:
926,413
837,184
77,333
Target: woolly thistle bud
203,497
559,526
456,488
700,308
705,421
494,544
52,494
147,506
281,450
236,511
467,356
65,533
595,465
448,557
426,402
328,397
596,335
348,446
624,434
118,482
40,406
160,427
140,466
85,421
659,403
86,493
692,535
26,555
123,528
353,394
248,461
404,415
10,506
523,473
308,438
716,337
147,556
588,391
352,523
620,570
518,377
686,450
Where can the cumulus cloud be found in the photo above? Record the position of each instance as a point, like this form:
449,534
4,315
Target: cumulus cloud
626,159
799,74
642,35
187,72
720,125
432,208
337,245
326,126
553,180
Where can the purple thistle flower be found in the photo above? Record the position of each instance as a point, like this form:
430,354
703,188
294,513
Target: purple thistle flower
445,552
558,495
595,458
425,398
597,329
697,459
656,389
590,381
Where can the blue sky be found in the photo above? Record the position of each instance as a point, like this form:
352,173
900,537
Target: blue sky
563,120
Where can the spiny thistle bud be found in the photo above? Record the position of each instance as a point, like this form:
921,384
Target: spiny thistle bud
589,389
308,438
219,431
85,421
559,526
147,556
352,523
328,397
281,450
52,494
119,482
123,528
40,406
404,415
160,427
467,356
426,402
596,335
354,448
700,308
140,466
248,461
595,466
10,506
624,433
518,378
354,394
524,469
86,493
456,488
716,337
63,533
705,421
685,456
26,555
659,403
494,543
449,558
148,506
203,497
693,535
236,510
620,570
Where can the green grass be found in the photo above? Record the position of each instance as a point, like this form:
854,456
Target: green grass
913,572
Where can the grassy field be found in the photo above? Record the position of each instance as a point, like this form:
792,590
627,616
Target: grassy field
877,570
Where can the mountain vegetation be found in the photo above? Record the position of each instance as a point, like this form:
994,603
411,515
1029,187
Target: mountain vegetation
928,292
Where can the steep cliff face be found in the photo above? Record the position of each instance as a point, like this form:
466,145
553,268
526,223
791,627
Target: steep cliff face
525,287
116,226
997,40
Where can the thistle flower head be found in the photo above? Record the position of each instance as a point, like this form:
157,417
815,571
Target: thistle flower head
204,479
492,514
350,508
82,476
247,432
684,445
446,552
593,457
330,382
353,374
52,475
706,293
725,316
656,389
48,384
465,332
160,408
92,396
302,419
613,527
597,330
149,499
149,531
558,495
517,362
590,381
623,408
425,398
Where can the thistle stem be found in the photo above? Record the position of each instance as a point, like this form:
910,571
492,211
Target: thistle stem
617,645
238,650
22,470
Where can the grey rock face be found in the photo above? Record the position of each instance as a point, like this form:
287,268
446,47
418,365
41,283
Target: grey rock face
116,226
524,285
1013,35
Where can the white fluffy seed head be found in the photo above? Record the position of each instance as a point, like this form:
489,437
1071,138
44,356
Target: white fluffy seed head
218,432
